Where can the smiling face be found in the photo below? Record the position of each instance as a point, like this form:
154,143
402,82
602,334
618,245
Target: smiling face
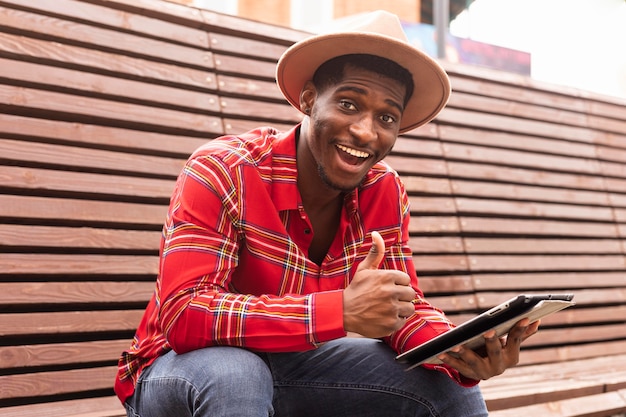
353,123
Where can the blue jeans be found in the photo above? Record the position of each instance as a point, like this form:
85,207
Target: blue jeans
345,377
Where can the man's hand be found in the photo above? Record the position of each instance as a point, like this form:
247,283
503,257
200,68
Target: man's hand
499,353
377,302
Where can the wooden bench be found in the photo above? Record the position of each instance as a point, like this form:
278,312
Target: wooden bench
101,105
518,186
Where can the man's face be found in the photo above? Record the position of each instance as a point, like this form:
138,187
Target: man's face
354,124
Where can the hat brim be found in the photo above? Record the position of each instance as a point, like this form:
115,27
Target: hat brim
432,86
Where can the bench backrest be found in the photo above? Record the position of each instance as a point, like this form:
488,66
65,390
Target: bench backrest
517,187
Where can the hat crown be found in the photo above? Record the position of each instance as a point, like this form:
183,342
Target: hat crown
379,22
376,33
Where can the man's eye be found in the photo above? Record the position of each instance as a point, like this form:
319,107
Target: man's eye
347,105
387,118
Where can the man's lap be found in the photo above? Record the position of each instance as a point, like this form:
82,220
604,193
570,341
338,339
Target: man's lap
350,376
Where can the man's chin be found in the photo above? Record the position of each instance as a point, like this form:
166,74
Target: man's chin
336,186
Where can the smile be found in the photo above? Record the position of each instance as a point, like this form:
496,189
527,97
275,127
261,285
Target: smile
353,152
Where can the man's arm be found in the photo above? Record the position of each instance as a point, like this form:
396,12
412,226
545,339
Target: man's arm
198,305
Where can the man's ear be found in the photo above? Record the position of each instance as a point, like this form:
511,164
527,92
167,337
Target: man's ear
307,97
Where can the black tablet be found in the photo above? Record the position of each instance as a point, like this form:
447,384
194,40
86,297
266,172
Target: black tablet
501,318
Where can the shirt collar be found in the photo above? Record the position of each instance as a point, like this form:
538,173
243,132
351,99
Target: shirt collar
285,193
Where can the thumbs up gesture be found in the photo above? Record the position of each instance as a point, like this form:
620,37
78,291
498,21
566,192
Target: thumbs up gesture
377,301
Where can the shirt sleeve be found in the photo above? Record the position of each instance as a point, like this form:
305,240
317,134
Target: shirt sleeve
198,307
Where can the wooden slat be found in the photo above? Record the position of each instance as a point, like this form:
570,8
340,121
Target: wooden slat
611,154
24,324
612,139
240,86
528,176
261,50
418,147
96,37
99,15
434,224
436,244
59,293
577,335
244,66
588,315
266,111
440,263
445,284
597,405
87,59
61,210
77,264
552,383
528,192
613,169
526,245
25,356
453,303
537,227
88,407
548,281
521,159
533,209
216,22
17,152
101,137
430,204
428,185
508,123
617,185
517,109
571,352
416,166
15,235
514,89
89,84
77,108
546,262
113,186
56,382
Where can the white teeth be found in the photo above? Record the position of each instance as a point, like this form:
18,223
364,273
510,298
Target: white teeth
353,152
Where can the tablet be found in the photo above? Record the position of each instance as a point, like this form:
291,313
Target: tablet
501,318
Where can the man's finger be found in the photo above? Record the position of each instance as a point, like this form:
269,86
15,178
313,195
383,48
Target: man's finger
376,253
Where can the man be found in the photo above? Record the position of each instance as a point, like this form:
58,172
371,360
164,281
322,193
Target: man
277,245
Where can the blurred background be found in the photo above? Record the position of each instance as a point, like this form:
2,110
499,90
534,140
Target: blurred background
577,43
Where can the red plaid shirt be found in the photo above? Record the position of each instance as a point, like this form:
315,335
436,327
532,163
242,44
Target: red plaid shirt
233,267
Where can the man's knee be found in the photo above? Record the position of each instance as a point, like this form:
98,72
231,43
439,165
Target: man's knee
237,368
240,383
232,371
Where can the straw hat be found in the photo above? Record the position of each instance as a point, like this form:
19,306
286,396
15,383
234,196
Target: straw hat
377,33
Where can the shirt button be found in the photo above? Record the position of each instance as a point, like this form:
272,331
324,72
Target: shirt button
307,231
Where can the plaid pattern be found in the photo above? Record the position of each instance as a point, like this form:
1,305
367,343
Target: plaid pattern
233,267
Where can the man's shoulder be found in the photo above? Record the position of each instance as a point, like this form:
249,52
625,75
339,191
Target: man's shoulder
246,148
381,172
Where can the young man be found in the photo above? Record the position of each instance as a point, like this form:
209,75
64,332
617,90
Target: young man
277,245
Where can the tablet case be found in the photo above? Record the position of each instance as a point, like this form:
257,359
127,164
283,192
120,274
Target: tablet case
502,318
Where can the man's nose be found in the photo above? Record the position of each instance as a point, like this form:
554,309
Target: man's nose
364,129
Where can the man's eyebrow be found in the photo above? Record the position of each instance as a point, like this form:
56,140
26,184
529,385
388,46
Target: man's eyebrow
363,92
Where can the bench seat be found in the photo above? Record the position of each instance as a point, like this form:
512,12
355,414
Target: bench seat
517,186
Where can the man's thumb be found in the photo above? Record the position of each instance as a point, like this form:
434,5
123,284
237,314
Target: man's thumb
376,254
